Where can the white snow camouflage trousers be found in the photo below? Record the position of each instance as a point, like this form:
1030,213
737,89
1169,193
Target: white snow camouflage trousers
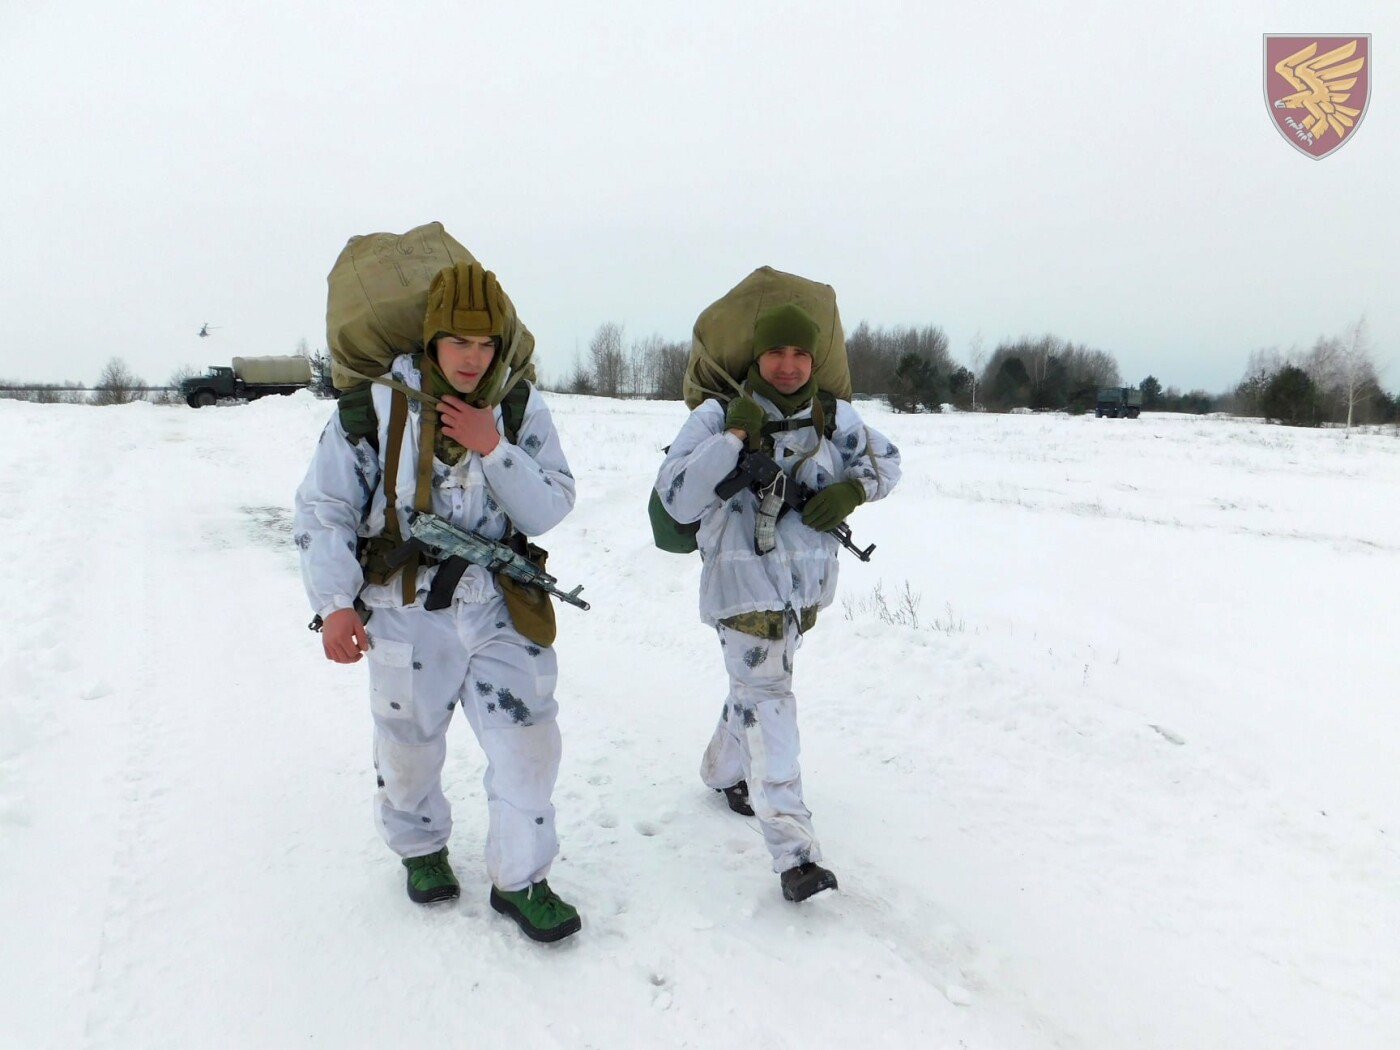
422,665
756,740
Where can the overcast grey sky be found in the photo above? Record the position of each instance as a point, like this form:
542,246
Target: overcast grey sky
1102,170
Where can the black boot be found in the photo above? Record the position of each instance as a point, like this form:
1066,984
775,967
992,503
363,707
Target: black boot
801,882
738,798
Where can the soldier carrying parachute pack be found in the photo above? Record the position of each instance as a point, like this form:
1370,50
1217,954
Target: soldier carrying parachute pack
768,375
455,433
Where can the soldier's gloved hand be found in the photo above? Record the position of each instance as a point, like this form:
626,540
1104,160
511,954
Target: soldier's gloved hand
830,507
746,414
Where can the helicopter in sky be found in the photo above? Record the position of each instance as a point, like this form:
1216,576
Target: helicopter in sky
205,328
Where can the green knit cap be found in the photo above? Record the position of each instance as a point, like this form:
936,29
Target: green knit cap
786,325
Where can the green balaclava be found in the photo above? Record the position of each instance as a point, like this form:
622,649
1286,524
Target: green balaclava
463,300
786,325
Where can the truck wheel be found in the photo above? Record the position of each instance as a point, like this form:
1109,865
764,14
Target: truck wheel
1098,413
1132,413
203,399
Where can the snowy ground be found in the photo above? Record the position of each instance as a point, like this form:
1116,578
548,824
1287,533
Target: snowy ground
1129,781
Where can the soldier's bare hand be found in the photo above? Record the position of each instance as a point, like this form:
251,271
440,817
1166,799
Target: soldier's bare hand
343,636
473,428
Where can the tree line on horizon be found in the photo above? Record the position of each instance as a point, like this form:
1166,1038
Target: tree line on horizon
912,368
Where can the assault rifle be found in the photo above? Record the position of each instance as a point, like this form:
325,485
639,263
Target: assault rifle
443,540
759,472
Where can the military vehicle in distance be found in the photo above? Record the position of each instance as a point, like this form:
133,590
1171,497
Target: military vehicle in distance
1115,401
249,379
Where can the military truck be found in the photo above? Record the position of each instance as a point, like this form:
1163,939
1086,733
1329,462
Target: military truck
1115,401
249,379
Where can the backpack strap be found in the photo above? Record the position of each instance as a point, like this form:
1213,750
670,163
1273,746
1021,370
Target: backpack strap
823,417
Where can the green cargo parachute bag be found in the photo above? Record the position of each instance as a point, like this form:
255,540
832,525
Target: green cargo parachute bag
377,297
721,351
667,533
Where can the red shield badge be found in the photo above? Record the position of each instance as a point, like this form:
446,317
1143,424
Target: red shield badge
1317,88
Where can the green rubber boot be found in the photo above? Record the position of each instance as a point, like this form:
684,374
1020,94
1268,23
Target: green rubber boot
430,878
538,912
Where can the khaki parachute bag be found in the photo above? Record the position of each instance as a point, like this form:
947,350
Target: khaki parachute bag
721,346
721,351
377,296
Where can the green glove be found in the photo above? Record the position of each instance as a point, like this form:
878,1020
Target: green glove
746,414
829,507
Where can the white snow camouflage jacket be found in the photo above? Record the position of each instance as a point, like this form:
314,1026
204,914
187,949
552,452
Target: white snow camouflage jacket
341,498
800,572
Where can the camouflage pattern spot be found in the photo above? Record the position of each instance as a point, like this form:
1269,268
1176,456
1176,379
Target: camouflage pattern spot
379,781
532,443
484,688
539,820
302,540
480,523
514,706
508,462
500,624
845,457
395,705
851,442
755,656
425,820
750,718
821,479
735,507
491,503
674,487
548,480
796,581
533,650
724,713
787,662
366,489
350,546
890,450
418,665
491,707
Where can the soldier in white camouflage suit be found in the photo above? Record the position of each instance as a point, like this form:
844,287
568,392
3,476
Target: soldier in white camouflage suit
436,641
762,604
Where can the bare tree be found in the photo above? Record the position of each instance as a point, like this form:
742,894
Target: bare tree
976,358
173,395
117,385
1357,368
607,358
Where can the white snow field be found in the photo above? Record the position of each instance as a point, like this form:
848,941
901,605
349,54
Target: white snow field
1130,780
